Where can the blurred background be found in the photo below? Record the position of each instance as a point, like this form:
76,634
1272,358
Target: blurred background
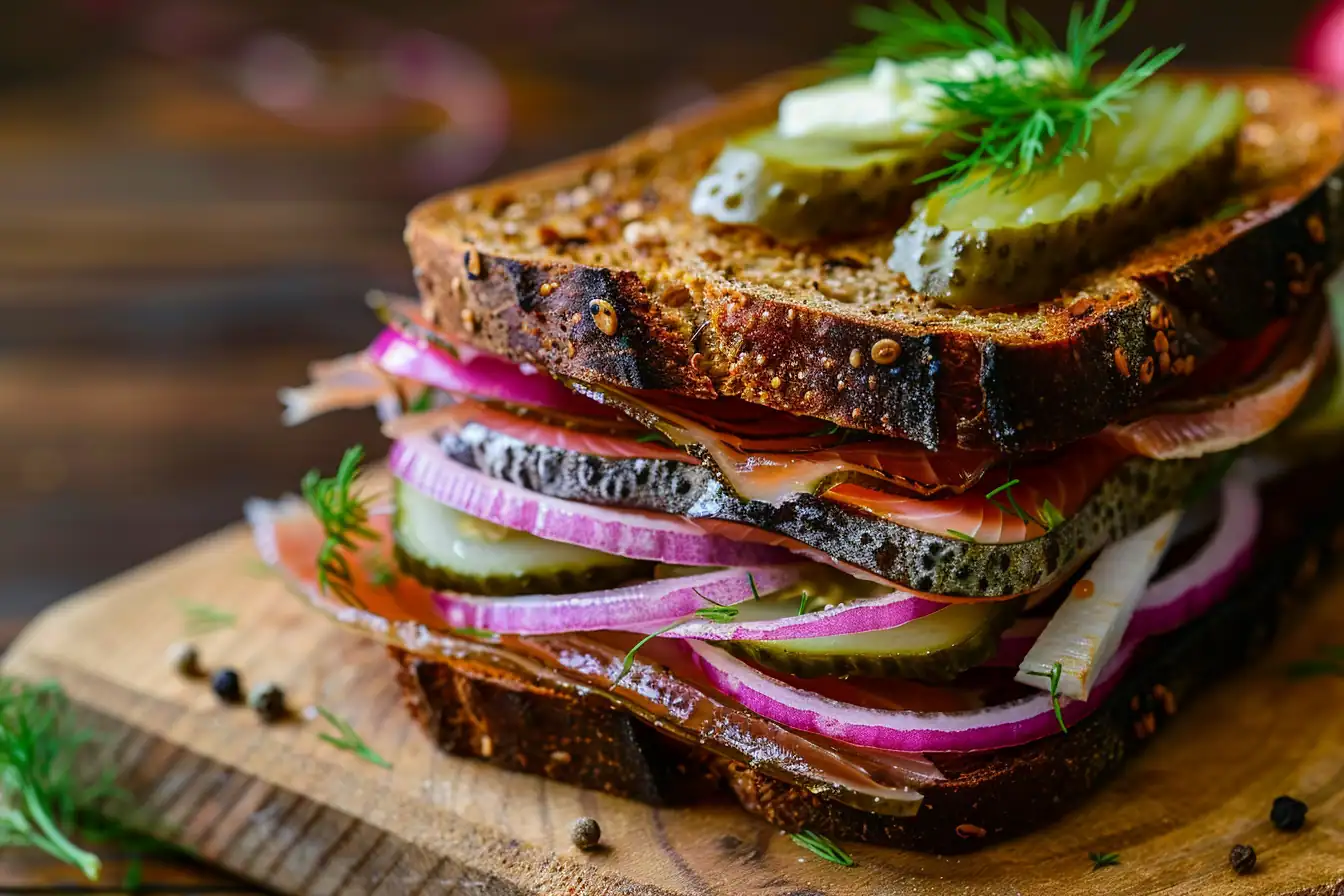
195,195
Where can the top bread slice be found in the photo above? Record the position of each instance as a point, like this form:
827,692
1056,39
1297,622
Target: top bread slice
595,269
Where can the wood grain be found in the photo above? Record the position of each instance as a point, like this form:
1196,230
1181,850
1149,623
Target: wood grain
278,806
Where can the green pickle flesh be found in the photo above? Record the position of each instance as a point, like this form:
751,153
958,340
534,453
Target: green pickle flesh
933,648
453,551
1163,163
802,187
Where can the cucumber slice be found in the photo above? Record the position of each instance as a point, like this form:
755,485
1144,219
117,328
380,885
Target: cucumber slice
801,187
452,551
1166,161
936,647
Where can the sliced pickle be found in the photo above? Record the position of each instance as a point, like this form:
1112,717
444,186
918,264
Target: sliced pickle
936,647
453,551
801,187
1166,161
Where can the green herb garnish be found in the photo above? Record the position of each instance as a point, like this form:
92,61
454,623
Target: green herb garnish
1229,211
135,875
1103,859
1327,661
1056,671
802,603
38,791
656,436
1051,516
822,846
203,619
716,613
1010,124
467,631
344,516
381,573
969,539
349,740
751,580
422,402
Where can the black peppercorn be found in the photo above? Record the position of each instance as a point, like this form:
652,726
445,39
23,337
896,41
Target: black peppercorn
228,687
268,701
585,832
1242,859
185,660
1288,814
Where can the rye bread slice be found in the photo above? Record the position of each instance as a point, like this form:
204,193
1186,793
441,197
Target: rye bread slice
580,737
1135,494
595,269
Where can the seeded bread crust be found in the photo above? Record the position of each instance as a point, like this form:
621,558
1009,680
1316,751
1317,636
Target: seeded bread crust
580,737
595,269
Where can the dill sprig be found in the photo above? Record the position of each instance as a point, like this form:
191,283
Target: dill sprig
1329,660
1050,515
1056,671
1008,123
349,739
822,846
717,612
1103,859
203,619
344,516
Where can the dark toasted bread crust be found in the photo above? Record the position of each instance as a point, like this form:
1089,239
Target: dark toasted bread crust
706,310
470,710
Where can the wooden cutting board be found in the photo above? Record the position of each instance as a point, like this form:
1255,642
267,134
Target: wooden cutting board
281,807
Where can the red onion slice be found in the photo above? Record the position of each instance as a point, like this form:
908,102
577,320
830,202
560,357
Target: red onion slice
645,603
638,535
855,617
479,375
991,728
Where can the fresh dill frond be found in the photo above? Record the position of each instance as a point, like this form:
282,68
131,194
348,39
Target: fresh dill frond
1056,671
655,436
803,598
961,536
344,516
39,792
349,739
822,846
717,612
468,631
906,30
1008,124
1051,516
203,619
422,402
1103,859
1328,660
381,573
751,580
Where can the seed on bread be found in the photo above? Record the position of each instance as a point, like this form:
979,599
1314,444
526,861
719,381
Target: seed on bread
604,315
886,351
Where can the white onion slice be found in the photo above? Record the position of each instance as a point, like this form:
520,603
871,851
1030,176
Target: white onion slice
1086,629
643,603
991,728
639,535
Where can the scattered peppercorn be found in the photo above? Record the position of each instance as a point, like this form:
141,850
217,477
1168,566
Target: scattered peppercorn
1242,859
228,687
185,660
268,701
1288,814
585,832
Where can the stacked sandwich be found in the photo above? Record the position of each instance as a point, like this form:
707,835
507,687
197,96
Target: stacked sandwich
864,447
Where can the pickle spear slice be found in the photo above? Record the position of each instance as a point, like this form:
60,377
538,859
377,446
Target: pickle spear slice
801,187
985,243
453,551
935,648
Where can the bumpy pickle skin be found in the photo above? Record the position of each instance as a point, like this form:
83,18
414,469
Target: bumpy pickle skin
798,188
1166,162
934,648
452,551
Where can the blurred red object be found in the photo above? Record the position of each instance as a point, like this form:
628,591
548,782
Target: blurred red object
1322,50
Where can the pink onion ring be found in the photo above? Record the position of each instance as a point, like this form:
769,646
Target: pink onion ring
991,728
643,603
639,535
479,375
854,617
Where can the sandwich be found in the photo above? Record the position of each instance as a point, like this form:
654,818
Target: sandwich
894,449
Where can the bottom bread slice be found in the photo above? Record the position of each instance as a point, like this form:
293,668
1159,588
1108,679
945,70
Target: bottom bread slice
475,710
